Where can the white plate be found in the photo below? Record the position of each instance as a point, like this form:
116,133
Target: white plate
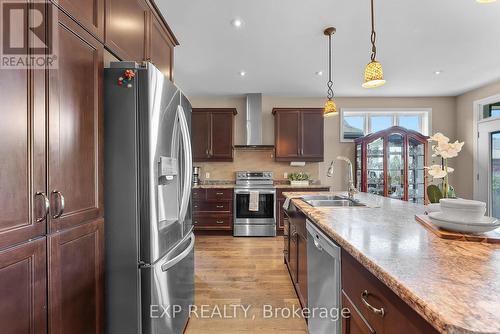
488,224
445,216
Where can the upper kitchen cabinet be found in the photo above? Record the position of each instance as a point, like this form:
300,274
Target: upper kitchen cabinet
212,134
127,28
75,128
88,13
161,46
136,31
299,134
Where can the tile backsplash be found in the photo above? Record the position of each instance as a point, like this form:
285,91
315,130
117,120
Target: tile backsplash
253,161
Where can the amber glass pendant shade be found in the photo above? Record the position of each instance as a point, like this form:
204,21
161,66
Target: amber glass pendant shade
330,108
374,75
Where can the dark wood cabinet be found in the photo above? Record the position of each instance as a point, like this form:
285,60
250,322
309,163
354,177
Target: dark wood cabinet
88,13
302,266
76,279
136,31
127,24
212,134
75,128
22,148
161,47
353,322
294,254
298,134
361,288
212,209
391,163
23,288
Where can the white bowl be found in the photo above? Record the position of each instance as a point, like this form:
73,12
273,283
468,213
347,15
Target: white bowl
433,207
465,211
461,203
487,224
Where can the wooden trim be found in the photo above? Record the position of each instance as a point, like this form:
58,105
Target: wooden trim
220,110
275,110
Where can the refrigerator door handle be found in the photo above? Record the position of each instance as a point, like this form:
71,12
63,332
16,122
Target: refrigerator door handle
170,263
188,161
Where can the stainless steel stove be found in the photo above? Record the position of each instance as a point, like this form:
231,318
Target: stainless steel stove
262,221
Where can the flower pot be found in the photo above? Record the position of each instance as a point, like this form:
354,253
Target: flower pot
299,183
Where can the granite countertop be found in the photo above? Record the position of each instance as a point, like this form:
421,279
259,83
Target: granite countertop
231,184
454,285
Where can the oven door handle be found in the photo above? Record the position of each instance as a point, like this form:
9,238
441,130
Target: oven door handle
264,192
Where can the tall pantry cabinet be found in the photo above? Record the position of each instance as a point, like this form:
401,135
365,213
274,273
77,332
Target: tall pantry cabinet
51,169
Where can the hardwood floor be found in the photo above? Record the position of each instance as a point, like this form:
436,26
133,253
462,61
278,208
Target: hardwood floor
248,272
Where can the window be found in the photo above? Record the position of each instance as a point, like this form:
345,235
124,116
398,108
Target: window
491,110
356,123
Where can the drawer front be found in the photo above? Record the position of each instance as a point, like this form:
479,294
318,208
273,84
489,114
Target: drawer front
223,206
223,222
370,296
198,194
219,194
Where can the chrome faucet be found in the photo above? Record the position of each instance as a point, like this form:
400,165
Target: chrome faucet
351,191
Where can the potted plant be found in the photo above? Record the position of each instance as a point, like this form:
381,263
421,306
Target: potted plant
299,179
442,148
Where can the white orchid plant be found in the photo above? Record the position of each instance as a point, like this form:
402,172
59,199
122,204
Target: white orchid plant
445,150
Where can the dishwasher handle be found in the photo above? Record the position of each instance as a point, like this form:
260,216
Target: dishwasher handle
321,241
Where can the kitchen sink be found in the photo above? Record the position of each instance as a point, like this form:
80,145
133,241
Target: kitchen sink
322,198
333,202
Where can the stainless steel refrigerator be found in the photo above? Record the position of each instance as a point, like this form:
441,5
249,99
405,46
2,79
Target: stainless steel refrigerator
149,246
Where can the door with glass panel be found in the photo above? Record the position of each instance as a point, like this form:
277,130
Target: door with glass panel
416,172
395,166
375,167
488,165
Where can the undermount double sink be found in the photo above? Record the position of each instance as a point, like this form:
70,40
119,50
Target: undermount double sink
331,201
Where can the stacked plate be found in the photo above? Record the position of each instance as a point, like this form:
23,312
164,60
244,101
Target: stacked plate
462,215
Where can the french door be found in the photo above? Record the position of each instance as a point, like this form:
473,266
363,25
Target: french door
488,165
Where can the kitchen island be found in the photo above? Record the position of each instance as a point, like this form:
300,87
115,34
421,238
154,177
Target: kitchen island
453,285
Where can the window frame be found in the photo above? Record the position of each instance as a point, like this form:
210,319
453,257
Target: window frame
424,114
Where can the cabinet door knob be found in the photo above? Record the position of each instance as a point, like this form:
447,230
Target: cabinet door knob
377,311
59,196
219,194
219,222
46,206
220,206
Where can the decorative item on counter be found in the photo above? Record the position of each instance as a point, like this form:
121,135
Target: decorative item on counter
445,150
126,79
298,179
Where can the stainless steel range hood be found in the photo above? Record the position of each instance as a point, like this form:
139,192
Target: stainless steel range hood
253,119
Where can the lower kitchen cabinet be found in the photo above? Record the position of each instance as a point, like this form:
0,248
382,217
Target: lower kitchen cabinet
213,209
373,306
23,302
354,323
75,270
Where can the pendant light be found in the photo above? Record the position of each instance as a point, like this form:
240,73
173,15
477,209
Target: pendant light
374,76
330,106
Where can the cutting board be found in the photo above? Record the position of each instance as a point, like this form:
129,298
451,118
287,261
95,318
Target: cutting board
492,237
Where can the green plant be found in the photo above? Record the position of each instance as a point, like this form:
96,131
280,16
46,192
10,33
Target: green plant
298,176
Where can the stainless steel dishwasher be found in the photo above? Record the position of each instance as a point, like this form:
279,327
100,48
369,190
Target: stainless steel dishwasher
323,282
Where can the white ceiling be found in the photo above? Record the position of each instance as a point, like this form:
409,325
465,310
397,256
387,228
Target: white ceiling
281,45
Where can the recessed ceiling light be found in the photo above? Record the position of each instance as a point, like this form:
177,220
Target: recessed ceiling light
485,1
243,73
438,72
319,73
237,23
